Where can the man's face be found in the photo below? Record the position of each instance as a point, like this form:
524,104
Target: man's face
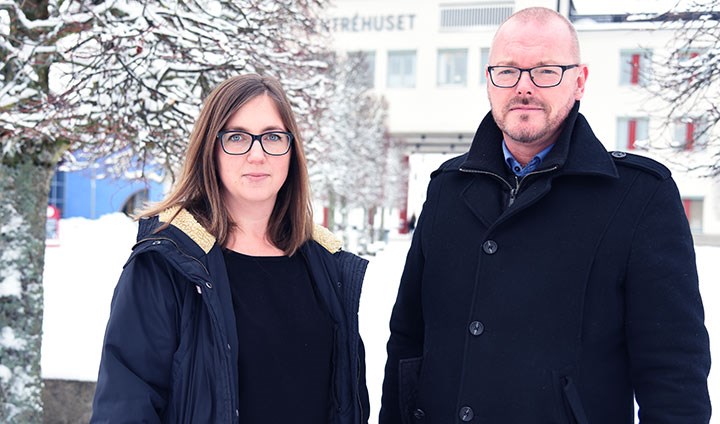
526,113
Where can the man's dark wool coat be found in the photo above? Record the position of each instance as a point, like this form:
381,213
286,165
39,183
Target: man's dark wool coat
550,300
170,349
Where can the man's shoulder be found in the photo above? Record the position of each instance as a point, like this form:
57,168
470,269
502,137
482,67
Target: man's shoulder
642,163
450,165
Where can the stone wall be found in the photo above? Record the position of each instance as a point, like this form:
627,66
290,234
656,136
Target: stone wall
68,402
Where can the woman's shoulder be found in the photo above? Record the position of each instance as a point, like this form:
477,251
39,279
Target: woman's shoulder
170,239
325,238
330,247
184,221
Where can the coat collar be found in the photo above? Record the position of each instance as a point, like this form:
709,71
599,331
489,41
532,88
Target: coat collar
184,221
577,150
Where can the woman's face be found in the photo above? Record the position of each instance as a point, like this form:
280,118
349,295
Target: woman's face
253,180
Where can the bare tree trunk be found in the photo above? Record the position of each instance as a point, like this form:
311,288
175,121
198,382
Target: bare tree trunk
24,186
331,212
345,221
370,222
382,224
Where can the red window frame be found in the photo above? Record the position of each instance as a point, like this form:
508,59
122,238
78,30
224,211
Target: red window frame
632,134
635,69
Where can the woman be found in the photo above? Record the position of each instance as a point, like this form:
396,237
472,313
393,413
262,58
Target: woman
233,307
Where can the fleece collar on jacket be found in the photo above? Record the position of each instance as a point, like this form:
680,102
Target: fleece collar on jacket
186,222
576,151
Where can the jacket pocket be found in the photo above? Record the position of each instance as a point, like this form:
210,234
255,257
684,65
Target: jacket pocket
409,374
572,400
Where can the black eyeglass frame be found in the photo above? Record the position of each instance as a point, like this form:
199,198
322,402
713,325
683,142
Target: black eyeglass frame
255,137
528,70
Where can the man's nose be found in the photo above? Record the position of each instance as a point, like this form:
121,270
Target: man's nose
525,84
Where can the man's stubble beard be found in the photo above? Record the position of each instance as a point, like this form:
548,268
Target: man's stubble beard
522,133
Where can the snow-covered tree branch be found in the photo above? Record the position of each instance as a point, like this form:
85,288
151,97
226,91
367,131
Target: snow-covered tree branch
687,80
118,84
356,170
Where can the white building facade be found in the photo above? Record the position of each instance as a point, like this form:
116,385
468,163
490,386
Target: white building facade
428,59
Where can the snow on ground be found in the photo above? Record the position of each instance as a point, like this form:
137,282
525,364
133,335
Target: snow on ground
82,269
79,279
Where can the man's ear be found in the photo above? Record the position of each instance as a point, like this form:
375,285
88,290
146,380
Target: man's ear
580,82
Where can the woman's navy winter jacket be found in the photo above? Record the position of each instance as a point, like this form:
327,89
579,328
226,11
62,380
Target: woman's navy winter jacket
170,350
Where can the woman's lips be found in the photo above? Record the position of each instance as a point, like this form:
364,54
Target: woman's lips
256,176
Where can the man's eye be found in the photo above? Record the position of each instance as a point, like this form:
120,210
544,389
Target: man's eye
548,71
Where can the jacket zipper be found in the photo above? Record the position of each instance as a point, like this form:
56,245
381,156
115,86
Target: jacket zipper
233,416
518,181
514,191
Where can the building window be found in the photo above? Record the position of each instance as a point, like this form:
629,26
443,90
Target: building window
401,69
694,212
484,59
365,62
463,17
631,132
688,65
452,67
689,133
635,67
686,56
57,191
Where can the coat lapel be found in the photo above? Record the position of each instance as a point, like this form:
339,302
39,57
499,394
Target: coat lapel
585,155
484,199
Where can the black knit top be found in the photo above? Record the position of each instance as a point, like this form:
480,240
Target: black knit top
285,340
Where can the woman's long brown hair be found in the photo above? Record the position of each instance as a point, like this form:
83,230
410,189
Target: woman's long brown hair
198,188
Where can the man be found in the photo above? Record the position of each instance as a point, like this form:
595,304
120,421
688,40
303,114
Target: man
548,280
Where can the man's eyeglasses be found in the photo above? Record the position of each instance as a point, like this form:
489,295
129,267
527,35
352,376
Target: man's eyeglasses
542,76
237,142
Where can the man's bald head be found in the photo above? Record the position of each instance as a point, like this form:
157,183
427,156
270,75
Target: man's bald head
544,15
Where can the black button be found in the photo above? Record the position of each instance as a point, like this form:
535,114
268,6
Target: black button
419,414
490,247
466,414
618,155
476,328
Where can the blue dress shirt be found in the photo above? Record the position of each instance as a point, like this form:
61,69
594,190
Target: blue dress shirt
520,170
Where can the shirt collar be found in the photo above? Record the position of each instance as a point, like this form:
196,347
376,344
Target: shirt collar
517,168
586,157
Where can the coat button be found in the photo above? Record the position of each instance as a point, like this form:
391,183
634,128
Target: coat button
618,155
490,247
419,414
466,414
208,284
476,328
